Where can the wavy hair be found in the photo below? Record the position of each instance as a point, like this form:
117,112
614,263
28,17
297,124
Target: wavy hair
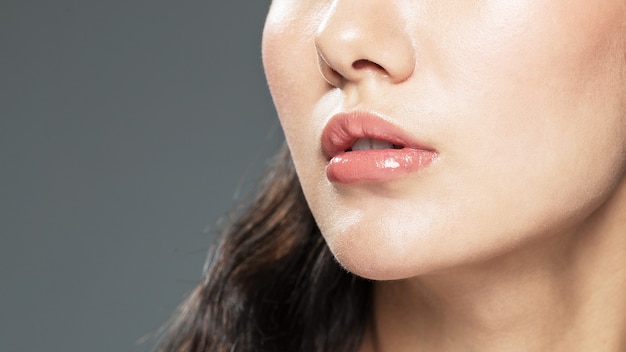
271,283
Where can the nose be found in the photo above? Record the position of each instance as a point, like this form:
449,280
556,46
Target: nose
362,38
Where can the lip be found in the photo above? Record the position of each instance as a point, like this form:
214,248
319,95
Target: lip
373,165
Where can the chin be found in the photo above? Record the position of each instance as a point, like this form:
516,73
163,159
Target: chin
376,256
384,265
391,248
384,262
378,270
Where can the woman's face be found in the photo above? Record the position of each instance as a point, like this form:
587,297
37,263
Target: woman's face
500,122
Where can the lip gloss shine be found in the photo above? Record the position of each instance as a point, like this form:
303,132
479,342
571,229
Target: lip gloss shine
370,165
376,165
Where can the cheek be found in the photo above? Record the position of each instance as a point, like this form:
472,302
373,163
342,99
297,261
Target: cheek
296,86
289,60
547,88
544,113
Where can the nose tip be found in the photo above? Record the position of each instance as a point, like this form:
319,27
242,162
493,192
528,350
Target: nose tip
358,39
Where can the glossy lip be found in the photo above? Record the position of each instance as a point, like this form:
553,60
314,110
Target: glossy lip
345,166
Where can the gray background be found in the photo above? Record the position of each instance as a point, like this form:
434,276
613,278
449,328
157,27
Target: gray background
126,127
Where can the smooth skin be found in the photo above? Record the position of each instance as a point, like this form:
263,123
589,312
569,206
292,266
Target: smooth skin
514,238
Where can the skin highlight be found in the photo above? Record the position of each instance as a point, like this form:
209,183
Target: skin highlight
513,239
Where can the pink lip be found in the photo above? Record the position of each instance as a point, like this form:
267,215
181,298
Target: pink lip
346,166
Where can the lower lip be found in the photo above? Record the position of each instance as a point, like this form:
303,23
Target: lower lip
377,165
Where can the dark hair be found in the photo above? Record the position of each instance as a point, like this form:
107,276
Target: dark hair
271,283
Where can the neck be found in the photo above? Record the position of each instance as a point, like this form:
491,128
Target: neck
563,294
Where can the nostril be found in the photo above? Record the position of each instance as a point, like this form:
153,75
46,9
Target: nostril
362,64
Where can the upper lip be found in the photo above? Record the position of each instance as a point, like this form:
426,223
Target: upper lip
343,129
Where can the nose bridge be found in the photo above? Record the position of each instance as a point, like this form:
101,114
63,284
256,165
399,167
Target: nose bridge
360,37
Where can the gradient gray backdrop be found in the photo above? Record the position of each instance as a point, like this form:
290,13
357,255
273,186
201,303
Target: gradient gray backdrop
126,127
